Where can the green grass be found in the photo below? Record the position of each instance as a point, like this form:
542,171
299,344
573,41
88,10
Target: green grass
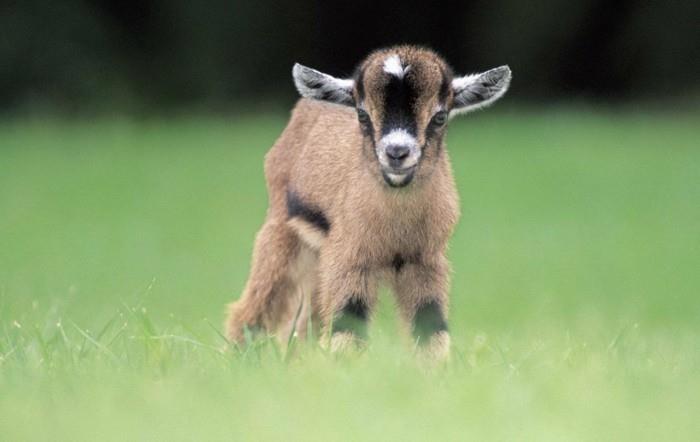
575,299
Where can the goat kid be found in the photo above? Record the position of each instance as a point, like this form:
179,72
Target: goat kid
361,192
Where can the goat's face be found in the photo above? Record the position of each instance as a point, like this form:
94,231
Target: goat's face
404,97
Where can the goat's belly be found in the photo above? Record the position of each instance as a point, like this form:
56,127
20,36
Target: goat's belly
309,233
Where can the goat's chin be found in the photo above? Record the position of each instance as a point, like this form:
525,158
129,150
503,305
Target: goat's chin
398,179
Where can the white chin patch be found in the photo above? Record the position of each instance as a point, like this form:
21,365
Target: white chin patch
396,179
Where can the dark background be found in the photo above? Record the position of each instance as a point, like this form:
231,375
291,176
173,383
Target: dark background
152,55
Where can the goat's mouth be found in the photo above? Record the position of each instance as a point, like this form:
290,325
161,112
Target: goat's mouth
398,177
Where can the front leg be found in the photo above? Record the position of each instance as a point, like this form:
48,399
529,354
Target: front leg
421,287
348,297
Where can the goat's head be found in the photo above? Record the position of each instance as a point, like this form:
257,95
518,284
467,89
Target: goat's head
404,97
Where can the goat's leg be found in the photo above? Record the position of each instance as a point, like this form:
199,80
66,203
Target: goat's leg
421,290
347,296
270,287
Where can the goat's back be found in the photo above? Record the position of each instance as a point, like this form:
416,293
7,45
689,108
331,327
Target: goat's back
316,155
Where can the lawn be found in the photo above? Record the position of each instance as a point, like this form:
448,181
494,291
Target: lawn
575,307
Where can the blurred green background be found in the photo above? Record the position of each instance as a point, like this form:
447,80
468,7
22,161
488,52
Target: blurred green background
82,56
131,187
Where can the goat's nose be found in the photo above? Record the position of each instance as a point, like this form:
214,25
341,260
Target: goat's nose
397,152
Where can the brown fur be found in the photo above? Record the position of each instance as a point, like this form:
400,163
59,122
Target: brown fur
377,233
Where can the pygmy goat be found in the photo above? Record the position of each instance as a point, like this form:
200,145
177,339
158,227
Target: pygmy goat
361,192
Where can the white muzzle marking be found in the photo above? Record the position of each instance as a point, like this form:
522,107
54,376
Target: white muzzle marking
403,138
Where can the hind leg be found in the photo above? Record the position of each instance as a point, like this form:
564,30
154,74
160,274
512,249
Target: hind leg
270,288
302,316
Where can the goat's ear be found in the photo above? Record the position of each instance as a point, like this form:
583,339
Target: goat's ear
473,92
314,84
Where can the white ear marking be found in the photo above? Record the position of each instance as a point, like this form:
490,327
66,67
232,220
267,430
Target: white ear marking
472,92
314,84
459,83
393,66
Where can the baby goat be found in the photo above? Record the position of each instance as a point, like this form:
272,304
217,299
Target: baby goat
361,192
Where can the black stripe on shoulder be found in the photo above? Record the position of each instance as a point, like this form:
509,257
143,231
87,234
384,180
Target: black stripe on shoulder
298,208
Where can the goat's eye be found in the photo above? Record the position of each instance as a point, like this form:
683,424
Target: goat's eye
362,117
439,118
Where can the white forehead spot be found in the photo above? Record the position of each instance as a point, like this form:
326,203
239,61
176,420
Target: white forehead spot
393,66
398,137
